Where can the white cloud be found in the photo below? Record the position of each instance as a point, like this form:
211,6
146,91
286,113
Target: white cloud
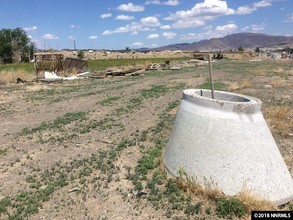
257,28
137,44
130,7
226,28
93,37
188,23
158,2
153,36
107,32
70,37
200,13
243,10
248,9
50,37
145,24
254,27
107,15
169,35
165,27
133,27
211,32
262,4
30,29
289,18
124,17
74,26
153,2
171,2
150,21
189,36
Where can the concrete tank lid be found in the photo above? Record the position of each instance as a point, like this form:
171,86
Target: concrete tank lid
226,101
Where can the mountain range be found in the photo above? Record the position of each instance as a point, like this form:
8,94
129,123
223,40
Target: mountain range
232,42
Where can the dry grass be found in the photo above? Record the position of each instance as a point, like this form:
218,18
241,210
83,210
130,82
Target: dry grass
240,85
7,77
251,202
280,119
189,185
278,82
211,195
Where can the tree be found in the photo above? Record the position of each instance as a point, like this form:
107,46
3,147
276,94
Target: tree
257,50
6,53
15,45
240,49
80,54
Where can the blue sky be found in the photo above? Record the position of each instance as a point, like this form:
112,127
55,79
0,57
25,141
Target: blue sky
117,24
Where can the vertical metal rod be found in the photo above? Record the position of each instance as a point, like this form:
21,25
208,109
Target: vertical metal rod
211,76
35,66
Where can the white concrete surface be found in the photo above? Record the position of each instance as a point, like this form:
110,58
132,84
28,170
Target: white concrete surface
226,141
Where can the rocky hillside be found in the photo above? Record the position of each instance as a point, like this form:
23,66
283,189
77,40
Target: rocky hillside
233,41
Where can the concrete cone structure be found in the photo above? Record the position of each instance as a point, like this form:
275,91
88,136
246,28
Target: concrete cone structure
226,142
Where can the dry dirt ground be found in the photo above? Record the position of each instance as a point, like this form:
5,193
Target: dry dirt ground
91,149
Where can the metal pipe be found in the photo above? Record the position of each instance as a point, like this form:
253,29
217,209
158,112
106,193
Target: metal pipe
211,76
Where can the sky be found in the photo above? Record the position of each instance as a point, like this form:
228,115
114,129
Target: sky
117,24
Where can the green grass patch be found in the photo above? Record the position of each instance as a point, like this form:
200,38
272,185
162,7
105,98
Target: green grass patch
217,86
96,65
109,101
103,124
230,207
58,123
154,92
17,67
3,151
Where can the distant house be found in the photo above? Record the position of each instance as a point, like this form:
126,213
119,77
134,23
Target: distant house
284,55
177,52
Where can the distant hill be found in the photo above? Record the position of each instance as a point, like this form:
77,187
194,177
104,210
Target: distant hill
233,41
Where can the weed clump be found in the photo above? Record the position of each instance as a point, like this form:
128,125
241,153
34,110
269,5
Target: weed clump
230,207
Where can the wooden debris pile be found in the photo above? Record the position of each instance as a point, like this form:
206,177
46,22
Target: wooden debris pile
118,72
57,63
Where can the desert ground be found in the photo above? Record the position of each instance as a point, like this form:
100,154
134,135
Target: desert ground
92,148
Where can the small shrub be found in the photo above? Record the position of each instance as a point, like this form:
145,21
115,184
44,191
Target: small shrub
4,203
80,54
229,207
193,209
208,210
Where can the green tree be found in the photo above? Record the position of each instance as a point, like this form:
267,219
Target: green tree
80,54
240,49
15,43
6,53
257,50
